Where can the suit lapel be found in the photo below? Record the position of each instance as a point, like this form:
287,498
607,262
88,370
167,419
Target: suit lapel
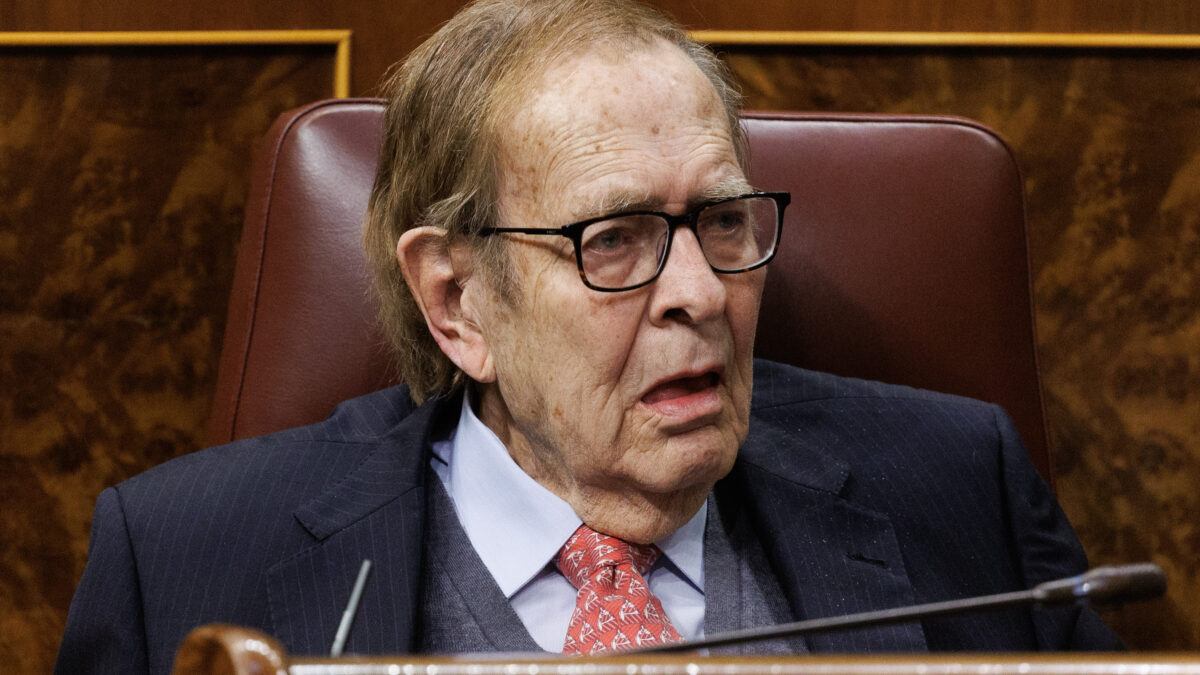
831,556
377,513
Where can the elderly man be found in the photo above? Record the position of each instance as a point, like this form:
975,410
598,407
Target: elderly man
570,259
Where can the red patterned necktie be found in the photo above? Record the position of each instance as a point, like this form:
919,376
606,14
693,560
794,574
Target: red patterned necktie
614,608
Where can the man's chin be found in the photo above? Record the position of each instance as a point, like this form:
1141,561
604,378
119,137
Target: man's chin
647,517
691,462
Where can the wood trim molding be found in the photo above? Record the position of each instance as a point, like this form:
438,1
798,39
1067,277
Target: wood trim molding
339,39
921,39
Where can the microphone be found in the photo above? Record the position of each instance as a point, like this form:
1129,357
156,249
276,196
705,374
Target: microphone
1108,585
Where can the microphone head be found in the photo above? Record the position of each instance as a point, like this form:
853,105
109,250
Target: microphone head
1108,585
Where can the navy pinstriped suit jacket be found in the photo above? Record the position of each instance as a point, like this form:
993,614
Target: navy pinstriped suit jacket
865,495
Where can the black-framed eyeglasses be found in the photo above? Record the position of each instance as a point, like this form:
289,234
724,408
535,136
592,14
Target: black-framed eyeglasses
624,251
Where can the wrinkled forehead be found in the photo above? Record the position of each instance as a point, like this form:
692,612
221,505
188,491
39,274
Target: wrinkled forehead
638,80
651,103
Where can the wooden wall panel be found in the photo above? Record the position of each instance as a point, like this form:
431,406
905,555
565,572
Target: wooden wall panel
123,173
110,324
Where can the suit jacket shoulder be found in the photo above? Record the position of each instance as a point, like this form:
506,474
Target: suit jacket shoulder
234,533
869,490
877,432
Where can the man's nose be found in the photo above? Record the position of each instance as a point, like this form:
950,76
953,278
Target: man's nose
688,289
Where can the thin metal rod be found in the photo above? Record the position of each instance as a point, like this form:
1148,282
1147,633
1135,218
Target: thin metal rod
851,621
343,630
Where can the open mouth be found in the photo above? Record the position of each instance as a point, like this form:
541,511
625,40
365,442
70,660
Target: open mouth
682,388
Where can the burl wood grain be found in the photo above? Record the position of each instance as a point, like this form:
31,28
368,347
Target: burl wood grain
122,179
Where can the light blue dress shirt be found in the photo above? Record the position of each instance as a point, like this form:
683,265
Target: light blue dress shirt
517,526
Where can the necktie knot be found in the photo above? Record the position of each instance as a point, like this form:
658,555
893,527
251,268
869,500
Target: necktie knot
614,608
589,555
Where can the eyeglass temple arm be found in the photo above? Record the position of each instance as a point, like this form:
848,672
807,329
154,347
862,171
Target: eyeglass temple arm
524,230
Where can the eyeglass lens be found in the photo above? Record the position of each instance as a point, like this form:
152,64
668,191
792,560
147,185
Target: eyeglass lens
626,251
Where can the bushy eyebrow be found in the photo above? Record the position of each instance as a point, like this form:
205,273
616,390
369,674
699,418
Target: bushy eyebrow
733,186
619,202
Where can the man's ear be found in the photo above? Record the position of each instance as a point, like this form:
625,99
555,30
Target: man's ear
439,283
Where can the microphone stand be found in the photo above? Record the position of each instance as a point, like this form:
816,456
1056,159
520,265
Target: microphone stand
1103,585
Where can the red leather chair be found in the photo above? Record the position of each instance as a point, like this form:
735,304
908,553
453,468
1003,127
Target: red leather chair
903,259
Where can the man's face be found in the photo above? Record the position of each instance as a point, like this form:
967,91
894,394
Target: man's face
629,405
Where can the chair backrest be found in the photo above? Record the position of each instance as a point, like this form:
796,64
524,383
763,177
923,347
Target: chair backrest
903,260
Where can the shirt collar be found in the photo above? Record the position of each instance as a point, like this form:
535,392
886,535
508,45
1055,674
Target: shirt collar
514,523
